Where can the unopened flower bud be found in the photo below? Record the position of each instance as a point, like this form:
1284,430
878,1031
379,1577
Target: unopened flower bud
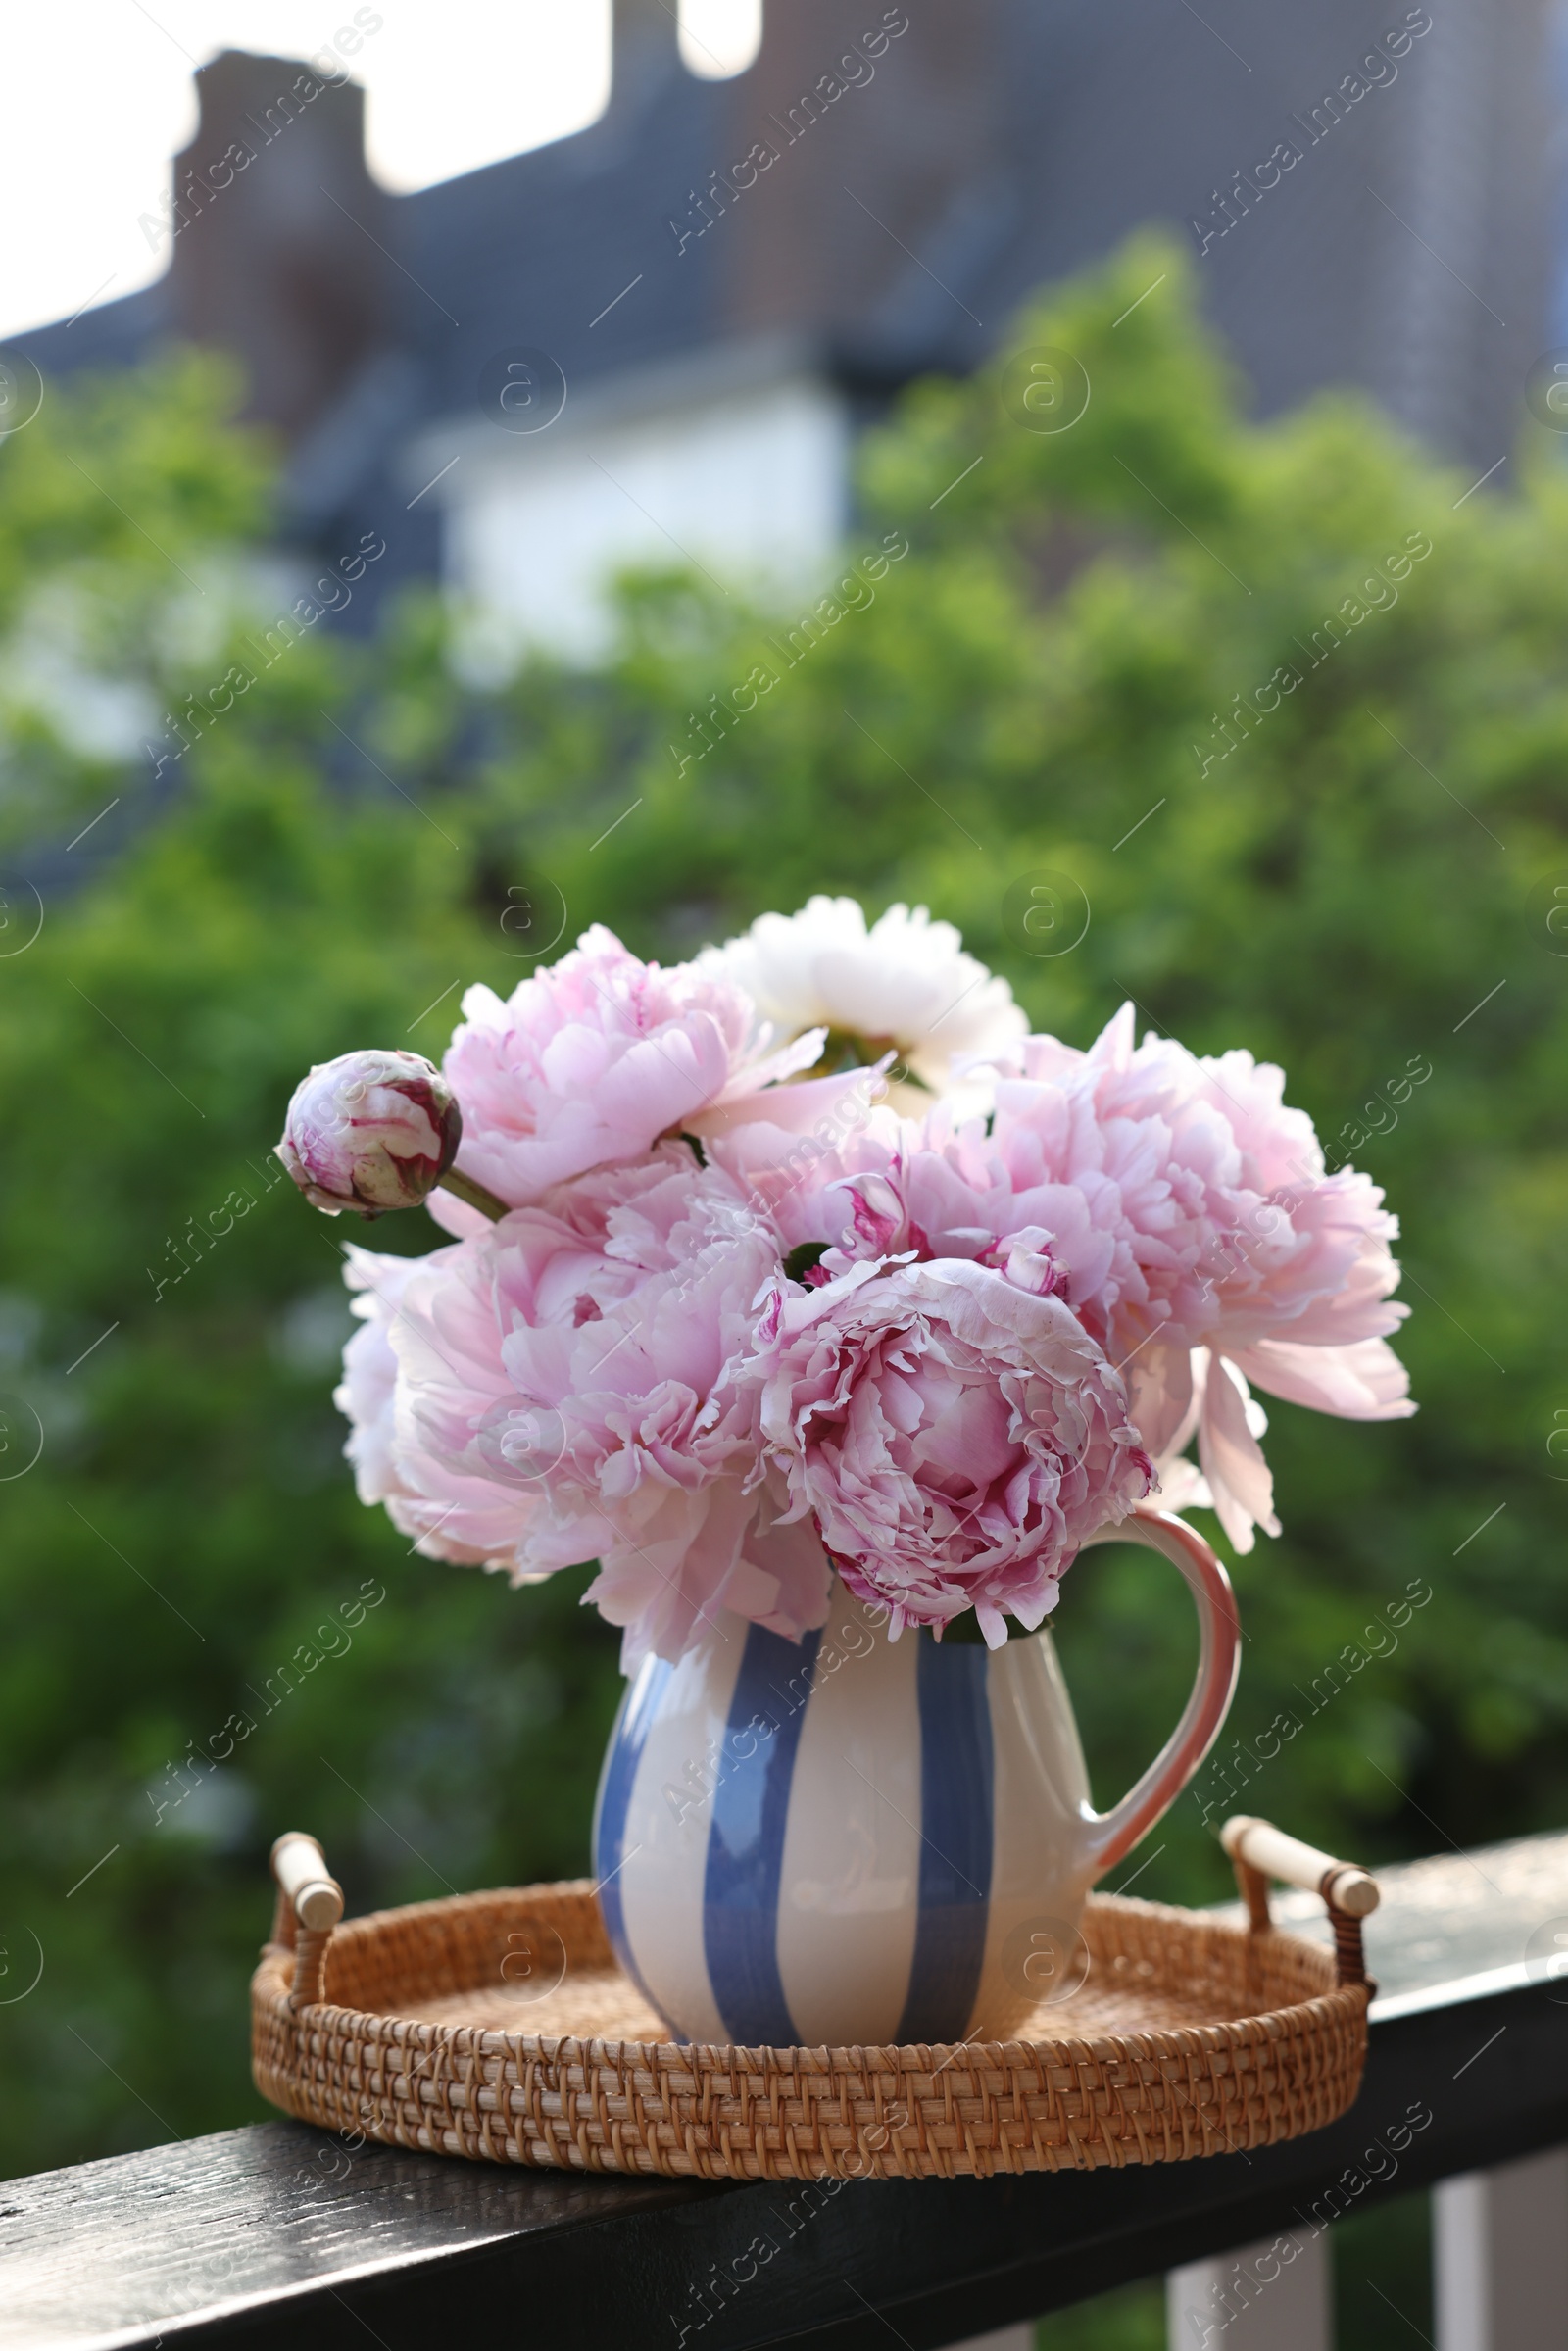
370,1131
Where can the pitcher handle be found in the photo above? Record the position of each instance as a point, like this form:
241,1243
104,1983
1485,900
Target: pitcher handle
1114,1833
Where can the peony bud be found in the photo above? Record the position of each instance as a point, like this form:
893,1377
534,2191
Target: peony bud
370,1131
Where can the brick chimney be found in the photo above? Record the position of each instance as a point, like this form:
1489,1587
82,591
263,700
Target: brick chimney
881,124
645,44
279,234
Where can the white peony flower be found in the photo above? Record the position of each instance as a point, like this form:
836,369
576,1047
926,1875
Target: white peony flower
904,984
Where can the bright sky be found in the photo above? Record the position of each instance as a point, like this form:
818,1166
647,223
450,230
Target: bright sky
94,101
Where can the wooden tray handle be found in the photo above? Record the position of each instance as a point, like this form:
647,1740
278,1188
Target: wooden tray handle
1260,1851
310,1903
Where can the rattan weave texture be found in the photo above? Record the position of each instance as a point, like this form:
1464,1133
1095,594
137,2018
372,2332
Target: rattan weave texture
449,2026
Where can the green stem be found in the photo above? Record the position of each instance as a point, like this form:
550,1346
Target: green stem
464,1187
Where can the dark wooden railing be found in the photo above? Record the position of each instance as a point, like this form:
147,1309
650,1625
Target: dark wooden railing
282,2236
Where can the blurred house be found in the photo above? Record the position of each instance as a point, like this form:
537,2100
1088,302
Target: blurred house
657,339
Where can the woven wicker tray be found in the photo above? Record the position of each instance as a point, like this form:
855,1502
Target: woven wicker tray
498,2026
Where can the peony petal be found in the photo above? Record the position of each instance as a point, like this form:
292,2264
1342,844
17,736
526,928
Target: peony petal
1181,1485
792,1554
787,1062
796,1109
1162,1403
1231,1459
1366,1381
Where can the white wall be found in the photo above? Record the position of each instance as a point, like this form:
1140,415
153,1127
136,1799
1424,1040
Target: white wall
750,483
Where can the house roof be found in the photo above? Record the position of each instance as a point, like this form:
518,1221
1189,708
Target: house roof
923,172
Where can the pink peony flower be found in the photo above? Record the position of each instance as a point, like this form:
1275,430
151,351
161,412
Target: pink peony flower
994,1321
391,1464
370,1131
1175,1205
591,1061
1234,1255
569,1386
365,1395
891,1187
956,1439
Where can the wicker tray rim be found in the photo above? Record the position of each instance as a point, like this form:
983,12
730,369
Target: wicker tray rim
274,1976
1075,2100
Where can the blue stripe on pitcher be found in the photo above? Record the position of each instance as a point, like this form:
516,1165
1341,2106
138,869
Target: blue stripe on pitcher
735,1937
746,1842
956,1836
609,1828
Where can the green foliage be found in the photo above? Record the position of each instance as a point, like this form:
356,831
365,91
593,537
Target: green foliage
129,476
1382,2264
1038,684
1131,2318
123,510
188,1571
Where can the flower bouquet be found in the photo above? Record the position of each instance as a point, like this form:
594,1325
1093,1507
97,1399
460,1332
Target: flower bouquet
820,1304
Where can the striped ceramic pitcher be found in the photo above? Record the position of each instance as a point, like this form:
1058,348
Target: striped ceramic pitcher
849,1839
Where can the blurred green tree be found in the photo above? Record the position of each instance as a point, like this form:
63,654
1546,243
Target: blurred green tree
1285,703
